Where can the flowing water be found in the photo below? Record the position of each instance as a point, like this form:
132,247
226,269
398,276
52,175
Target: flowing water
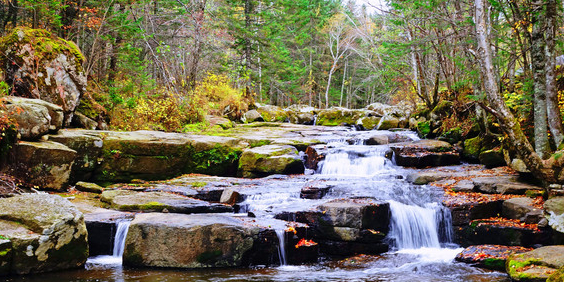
420,228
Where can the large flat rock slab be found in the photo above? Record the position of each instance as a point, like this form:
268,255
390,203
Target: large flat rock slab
128,200
489,256
270,159
46,233
424,153
198,241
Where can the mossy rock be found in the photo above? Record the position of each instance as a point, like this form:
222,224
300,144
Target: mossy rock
368,123
270,159
339,116
424,129
37,64
273,113
536,265
472,148
443,108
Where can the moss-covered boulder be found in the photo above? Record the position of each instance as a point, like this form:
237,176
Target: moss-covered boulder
492,158
536,265
128,200
272,113
37,64
44,164
339,116
46,232
251,116
34,117
368,123
270,159
192,241
489,256
472,148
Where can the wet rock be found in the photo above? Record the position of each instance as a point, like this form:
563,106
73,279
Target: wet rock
554,212
251,116
191,241
47,233
270,159
314,191
44,164
377,140
230,197
88,146
89,187
489,256
535,265
518,208
503,185
315,154
463,186
34,117
464,213
425,153
101,225
127,200
40,65
490,231
360,213
271,113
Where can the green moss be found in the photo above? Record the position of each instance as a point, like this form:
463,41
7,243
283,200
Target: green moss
495,264
2,237
150,206
443,108
209,257
220,160
424,129
513,267
473,147
260,143
199,184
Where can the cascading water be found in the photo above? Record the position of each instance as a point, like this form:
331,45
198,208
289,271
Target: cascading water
281,246
122,226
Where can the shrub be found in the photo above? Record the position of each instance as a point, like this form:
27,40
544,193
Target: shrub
217,97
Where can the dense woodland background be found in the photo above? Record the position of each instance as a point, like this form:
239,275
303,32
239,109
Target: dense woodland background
169,63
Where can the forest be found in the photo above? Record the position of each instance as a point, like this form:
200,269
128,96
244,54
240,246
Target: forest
167,64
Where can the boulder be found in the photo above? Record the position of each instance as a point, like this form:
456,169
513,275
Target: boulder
554,212
388,122
339,116
377,140
230,197
381,110
81,121
44,164
270,159
519,166
301,117
466,211
314,191
535,265
40,65
425,153
272,113
128,200
517,208
368,123
191,241
501,231
88,146
251,116
222,122
489,256
88,187
472,148
47,233
34,117
315,154
507,184
463,186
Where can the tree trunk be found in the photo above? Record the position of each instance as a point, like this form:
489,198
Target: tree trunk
333,67
507,121
539,81
343,83
248,50
553,112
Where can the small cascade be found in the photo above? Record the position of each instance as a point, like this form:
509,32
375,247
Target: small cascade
122,226
281,246
355,163
414,227
121,234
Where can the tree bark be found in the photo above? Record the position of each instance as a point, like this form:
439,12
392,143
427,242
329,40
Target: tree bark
539,81
507,121
553,111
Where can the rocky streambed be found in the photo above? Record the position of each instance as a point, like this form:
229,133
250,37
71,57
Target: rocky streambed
365,205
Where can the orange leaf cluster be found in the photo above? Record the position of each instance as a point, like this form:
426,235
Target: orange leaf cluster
305,243
504,222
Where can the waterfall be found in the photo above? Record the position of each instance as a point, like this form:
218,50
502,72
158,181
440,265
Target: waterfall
354,163
414,227
121,234
281,246
122,226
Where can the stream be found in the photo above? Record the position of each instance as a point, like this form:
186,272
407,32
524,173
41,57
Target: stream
420,234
